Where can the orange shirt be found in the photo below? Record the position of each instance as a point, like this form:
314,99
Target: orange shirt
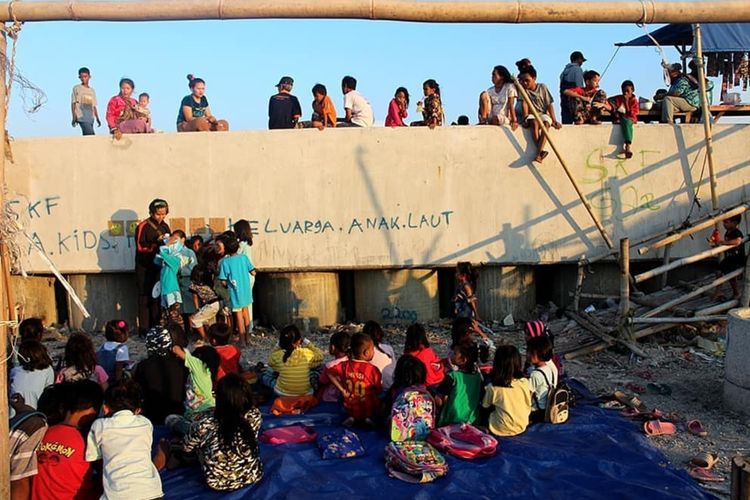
327,111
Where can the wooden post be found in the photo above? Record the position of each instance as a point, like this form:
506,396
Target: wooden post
692,319
4,308
684,261
581,196
580,276
624,278
706,114
745,299
740,478
665,261
700,226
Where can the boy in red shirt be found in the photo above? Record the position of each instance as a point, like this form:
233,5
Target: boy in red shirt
63,472
359,382
587,102
219,335
624,109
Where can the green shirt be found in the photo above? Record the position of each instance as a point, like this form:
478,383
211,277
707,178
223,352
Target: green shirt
199,395
463,399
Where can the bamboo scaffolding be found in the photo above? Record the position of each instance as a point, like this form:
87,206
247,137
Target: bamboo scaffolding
693,319
475,11
592,325
646,332
700,226
697,38
581,196
664,262
684,261
695,293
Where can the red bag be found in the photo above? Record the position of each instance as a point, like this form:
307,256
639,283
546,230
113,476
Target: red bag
463,441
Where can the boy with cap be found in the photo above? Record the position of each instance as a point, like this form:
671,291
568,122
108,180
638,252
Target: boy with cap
284,110
570,78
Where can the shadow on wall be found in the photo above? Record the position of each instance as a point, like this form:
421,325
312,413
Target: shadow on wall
309,300
397,297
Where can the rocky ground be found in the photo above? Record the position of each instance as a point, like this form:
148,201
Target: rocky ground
694,375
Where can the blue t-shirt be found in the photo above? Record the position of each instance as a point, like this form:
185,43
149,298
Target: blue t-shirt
199,108
235,270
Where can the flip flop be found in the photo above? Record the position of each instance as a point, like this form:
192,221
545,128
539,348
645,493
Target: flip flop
654,414
635,388
661,389
654,428
612,405
704,460
704,475
631,401
696,428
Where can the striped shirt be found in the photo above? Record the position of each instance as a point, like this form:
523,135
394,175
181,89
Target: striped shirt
294,374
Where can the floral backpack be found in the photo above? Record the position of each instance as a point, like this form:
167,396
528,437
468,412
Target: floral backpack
412,415
414,462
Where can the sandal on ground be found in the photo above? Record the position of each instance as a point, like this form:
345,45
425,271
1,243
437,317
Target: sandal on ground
612,405
705,460
630,401
696,428
654,428
704,475
635,387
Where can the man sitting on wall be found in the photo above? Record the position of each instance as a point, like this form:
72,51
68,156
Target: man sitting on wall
683,95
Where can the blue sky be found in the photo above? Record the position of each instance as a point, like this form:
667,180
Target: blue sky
241,62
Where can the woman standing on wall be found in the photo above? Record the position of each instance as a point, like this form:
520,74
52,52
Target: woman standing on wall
123,116
150,234
195,114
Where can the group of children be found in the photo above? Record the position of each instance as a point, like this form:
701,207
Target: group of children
89,423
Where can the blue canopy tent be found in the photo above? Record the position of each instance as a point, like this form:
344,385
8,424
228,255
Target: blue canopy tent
717,37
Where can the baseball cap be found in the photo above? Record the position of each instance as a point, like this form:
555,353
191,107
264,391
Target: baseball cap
577,55
285,80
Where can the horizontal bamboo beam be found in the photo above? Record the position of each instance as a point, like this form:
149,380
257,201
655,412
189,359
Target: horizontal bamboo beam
472,11
695,293
693,319
685,261
705,224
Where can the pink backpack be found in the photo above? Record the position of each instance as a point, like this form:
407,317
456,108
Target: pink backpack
292,434
463,441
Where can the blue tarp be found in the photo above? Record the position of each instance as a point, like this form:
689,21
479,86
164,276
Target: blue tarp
596,454
717,37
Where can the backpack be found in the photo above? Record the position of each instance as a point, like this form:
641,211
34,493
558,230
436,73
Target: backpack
412,415
414,462
558,402
342,443
463,441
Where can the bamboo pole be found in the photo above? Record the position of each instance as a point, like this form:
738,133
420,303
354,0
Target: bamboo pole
695,293
664,262
580,276
745,299
693,319
706,115
624,279
581,196
684,261
724,306
4,330
473,11
705,224
740,487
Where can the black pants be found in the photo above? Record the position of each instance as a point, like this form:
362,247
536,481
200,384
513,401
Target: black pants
148,307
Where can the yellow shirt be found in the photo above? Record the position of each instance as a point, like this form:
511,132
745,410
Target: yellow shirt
294,374
512,406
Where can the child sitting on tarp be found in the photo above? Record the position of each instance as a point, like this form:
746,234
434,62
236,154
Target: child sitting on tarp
538,328
113,355
202,366
338,348
384,357
461,389
359,381
543,376
508,396
293,364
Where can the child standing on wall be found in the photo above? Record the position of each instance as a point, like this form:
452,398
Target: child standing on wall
359,382
234,272
464,298
624,109
734,258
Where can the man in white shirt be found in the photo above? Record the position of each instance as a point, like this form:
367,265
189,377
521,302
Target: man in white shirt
83,104
358,108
